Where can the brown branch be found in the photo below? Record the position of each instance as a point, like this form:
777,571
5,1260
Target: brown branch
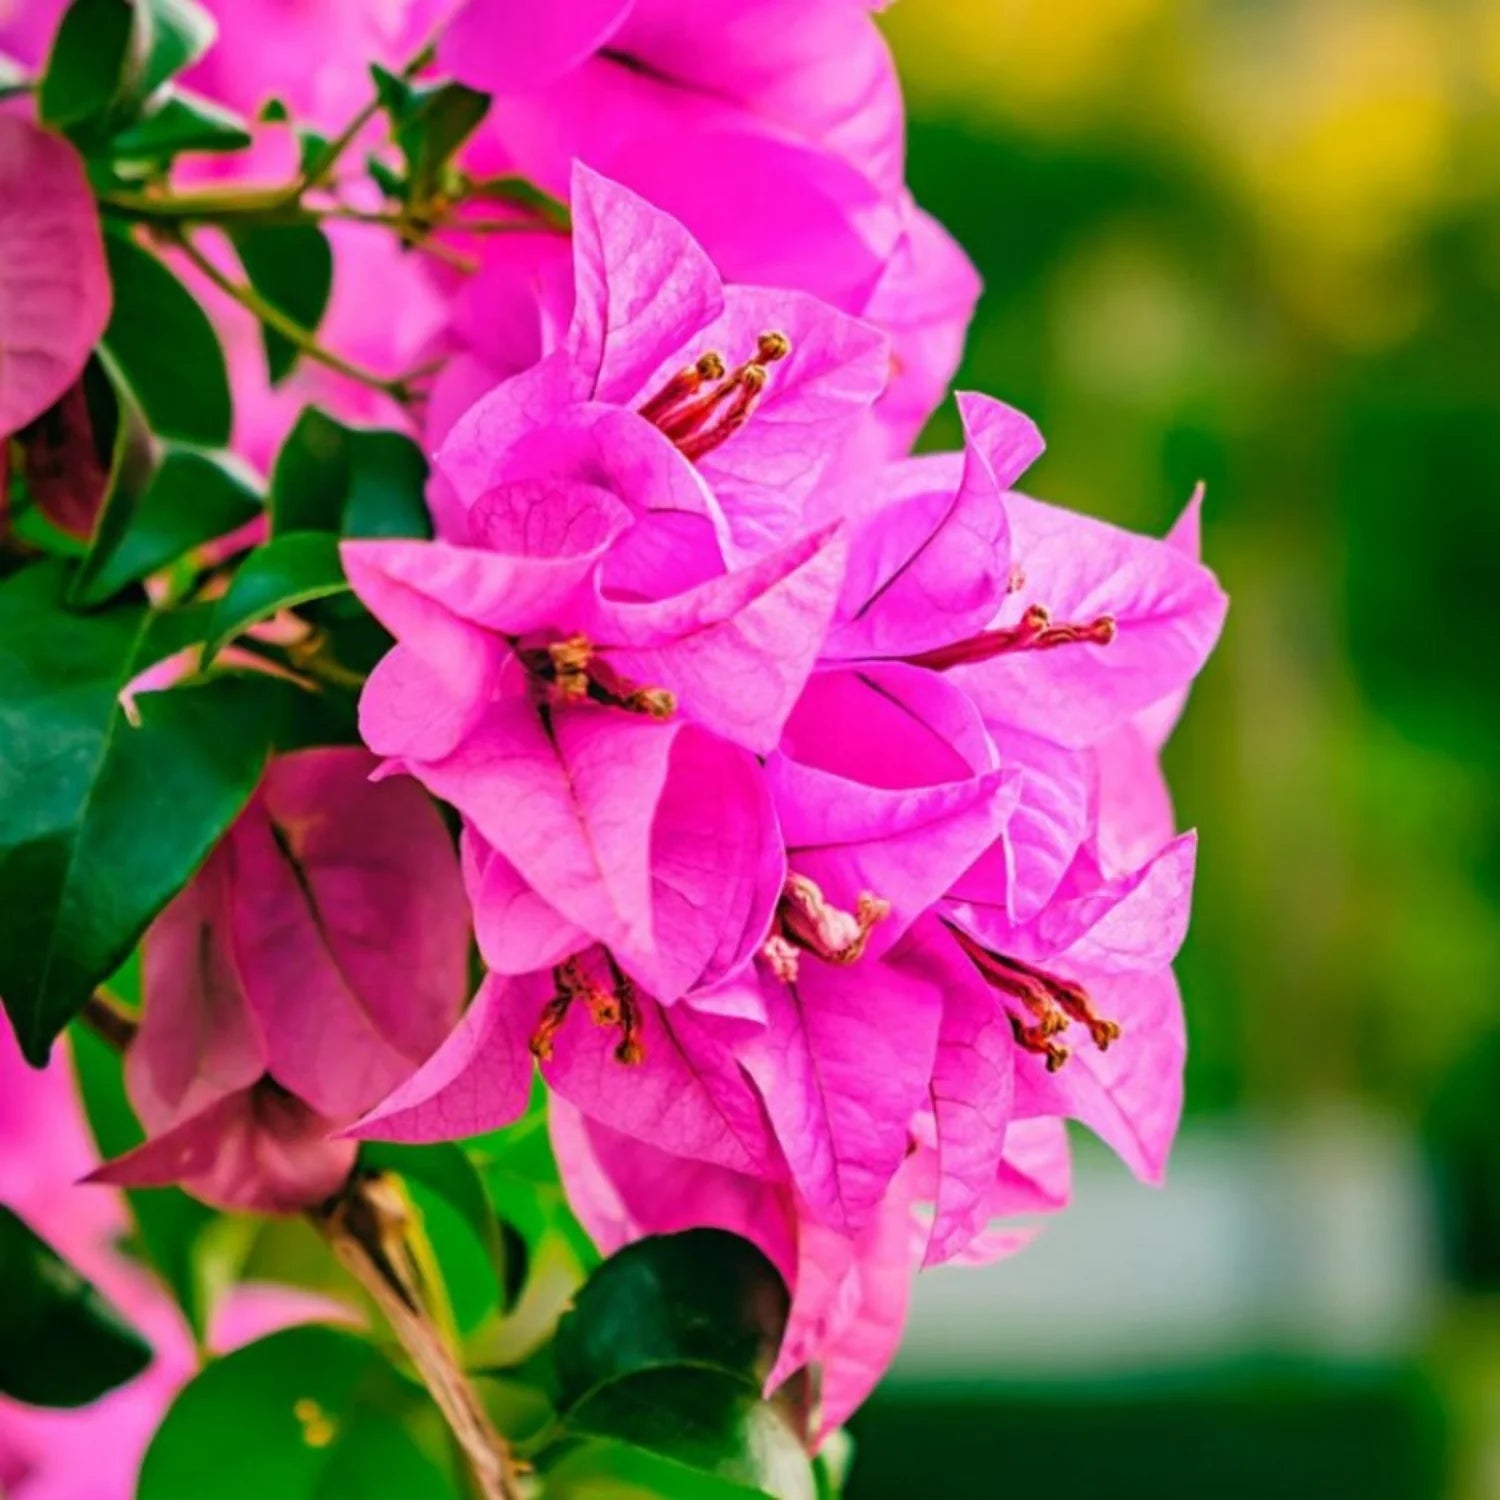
366,1228
109,1020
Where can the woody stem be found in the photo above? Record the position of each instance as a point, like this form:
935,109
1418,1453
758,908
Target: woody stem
365,1225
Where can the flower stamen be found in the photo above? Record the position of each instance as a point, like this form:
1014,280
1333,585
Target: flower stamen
1036,631
572,671
1051,1003
615,1008
690,415
806,921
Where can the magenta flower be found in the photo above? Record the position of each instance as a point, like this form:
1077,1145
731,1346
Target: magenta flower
627,606
317,959
796,104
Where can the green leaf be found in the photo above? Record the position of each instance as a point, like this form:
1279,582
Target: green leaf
168,1222
182,122
705,1299
366,482
61,1344
101,823
181,31
448,1174
97,49
607,1469
706,1420
387,488
433,125
291,266
311,476
192,498
165,348
311,1413
110,56
287,571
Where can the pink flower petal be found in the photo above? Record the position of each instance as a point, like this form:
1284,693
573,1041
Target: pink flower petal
736,650
478,1080
843,1066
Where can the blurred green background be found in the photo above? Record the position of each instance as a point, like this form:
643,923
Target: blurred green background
1257,242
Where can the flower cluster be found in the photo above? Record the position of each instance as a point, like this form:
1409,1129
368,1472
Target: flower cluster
812,825
813,835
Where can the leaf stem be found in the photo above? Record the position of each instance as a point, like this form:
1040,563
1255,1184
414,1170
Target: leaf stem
294,333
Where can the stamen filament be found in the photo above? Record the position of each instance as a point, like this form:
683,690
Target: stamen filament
1034,632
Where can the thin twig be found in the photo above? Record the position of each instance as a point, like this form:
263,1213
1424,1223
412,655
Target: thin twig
366,1228
109,1020
291,331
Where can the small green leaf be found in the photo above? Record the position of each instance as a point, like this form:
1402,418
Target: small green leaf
704,1298
182,122
311,1413
101,823
181,31
366,482
193,497
287,571
291,266
61,1344
433,125
98,46
706,1420
166,349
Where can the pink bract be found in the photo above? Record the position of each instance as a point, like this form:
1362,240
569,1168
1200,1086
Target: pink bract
54,288
315,961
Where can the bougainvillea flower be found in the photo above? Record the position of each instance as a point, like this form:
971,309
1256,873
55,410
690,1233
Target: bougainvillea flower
1089,994
317,958
794,103
758,389
54,288
667,1077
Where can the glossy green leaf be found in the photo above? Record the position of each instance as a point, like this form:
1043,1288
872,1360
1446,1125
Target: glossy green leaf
61,1343
167,1221
193,497
703,1298
181,122
311,1413
180,32
607,1469
97,56
287,571
706,1420
433,125
101,823
311,476
291,266
366,482
164,346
